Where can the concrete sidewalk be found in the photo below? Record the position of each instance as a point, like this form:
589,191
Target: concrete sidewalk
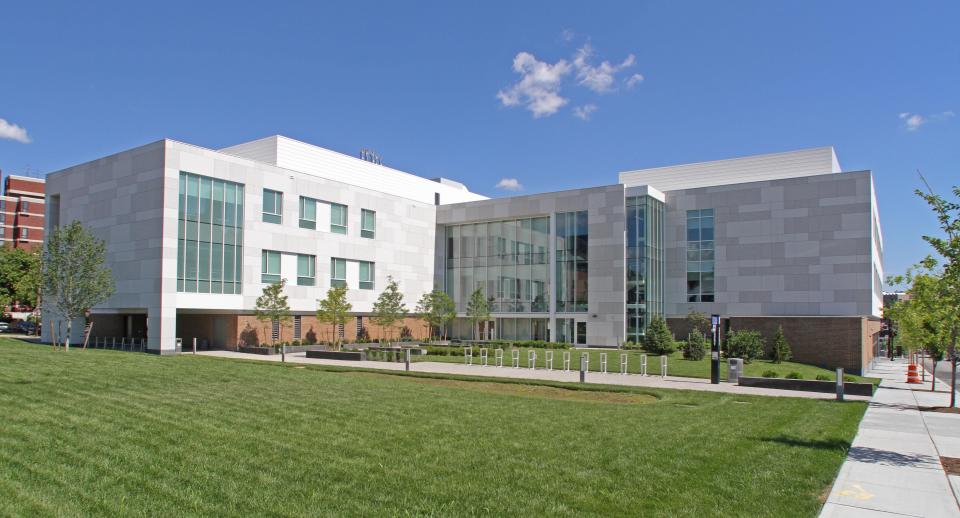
893,467
632,380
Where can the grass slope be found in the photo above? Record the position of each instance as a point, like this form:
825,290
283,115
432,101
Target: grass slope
676,365
111,433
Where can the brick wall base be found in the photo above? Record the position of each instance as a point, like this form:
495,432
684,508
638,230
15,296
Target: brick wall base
830,342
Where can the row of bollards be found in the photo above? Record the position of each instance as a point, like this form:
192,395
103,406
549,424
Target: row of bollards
548,359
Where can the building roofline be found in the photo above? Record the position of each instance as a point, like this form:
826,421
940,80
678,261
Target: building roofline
27,178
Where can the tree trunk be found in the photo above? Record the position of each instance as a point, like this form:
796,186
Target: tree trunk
933,384
953,367
69,329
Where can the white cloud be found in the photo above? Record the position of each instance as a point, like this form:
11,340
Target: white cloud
913,121
13,132
539,87
509,184
598,78
634,79
567,35
584,112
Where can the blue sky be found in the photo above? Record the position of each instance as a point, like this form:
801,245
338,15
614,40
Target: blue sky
419,83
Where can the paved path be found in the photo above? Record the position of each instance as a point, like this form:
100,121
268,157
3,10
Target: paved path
893,467
633,380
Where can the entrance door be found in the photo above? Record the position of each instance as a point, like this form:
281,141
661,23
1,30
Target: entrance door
219,332
488,330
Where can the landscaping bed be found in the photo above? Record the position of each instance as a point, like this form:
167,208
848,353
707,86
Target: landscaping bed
851,388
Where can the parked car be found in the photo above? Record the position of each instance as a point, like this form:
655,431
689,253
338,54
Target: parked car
4,327
27,328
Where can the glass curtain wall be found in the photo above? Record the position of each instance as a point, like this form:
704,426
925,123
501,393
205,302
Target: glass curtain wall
507,260
644,264
571,244
210,235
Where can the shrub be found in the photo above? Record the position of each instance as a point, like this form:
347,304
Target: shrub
658,339
769,374
794,376
780,352
849,378
695,348
745,344
823,377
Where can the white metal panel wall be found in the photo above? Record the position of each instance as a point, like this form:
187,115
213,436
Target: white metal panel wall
774,166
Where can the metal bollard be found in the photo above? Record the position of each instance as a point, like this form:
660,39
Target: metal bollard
283,352
663,366
407,359
840,384
194,345
583,372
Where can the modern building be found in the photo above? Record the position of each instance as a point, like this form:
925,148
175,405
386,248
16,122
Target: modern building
193,235
22,212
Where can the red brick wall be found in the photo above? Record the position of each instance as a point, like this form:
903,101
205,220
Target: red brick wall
825,341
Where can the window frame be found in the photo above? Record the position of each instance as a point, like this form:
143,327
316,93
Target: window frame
339,228
306,222
266,276
275,217
369,233
311,278
336,282
371,274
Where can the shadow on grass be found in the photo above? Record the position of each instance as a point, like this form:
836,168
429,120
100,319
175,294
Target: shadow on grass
817,444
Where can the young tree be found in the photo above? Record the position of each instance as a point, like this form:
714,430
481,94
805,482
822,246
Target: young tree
695,348
272,306
75,277
477,310
699,322
948,247
780,351
923,321
334,309
437,309
658,339
389,307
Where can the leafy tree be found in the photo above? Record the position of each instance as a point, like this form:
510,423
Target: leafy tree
75,276
695,348
780,352
658,339
699,321
20,277
334,309
745,344
948,247
389,307
923,320
478,310
272,306
437,309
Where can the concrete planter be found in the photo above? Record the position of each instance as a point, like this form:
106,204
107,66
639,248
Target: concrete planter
270,350
828,387
336,355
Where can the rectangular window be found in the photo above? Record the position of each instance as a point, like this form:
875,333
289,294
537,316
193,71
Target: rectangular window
306,270
26,206
368,223
276,330
209,235
308,213
270,272
366,275
272,206
297,327
572,243
581,333
338,272
359,327
24,233
338,218
700,255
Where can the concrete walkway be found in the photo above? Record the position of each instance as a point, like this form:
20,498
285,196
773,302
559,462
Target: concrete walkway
893,467
632,380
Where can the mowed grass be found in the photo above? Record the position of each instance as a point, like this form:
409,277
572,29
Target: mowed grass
111,433
676,365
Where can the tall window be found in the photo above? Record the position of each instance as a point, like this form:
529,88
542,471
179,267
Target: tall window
700,268
338,272
297,327
272,206
572,241
338,218
366,275
368,223
210,235
644,263
26,205
24,233
270,269
275,334
306,270
308,213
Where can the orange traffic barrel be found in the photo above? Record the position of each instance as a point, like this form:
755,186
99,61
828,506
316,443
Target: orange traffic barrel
913,374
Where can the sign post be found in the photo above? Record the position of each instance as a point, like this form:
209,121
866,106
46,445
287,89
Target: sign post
715,350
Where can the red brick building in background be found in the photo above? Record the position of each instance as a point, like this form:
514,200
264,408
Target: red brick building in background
21,212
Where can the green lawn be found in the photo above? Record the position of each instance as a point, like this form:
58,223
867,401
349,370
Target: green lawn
676,365
112,433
